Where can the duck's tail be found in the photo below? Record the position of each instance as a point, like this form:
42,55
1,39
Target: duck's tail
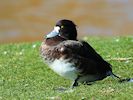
121,80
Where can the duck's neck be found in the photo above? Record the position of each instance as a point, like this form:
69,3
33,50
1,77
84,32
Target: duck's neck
54,40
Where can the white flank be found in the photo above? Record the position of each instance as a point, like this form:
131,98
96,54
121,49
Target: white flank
64,68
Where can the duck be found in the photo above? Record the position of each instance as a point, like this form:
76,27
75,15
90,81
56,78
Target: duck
71,58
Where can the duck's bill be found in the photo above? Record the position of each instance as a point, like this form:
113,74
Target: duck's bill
54,33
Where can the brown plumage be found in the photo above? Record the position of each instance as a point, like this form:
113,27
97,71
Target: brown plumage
73,59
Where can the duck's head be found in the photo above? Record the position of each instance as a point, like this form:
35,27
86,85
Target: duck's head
65,29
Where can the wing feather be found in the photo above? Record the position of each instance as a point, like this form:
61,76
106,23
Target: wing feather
91,60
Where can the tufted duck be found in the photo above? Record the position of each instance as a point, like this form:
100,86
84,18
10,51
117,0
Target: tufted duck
73,59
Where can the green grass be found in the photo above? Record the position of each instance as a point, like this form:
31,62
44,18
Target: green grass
24,76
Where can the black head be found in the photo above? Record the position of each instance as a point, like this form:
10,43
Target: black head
65,29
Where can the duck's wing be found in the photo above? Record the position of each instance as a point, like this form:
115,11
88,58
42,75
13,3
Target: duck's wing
80,48
89,52
89,58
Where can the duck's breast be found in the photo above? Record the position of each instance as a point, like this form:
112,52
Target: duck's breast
64,68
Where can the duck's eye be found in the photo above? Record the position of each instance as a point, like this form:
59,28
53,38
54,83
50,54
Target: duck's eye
62,26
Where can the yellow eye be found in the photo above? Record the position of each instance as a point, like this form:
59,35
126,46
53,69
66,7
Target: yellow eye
62,26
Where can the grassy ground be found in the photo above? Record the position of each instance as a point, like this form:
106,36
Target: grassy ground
24,76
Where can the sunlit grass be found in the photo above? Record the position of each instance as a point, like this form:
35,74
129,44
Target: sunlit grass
23,75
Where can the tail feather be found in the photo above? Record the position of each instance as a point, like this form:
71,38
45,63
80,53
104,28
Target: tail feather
126,80
120,79
110,73
113,75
